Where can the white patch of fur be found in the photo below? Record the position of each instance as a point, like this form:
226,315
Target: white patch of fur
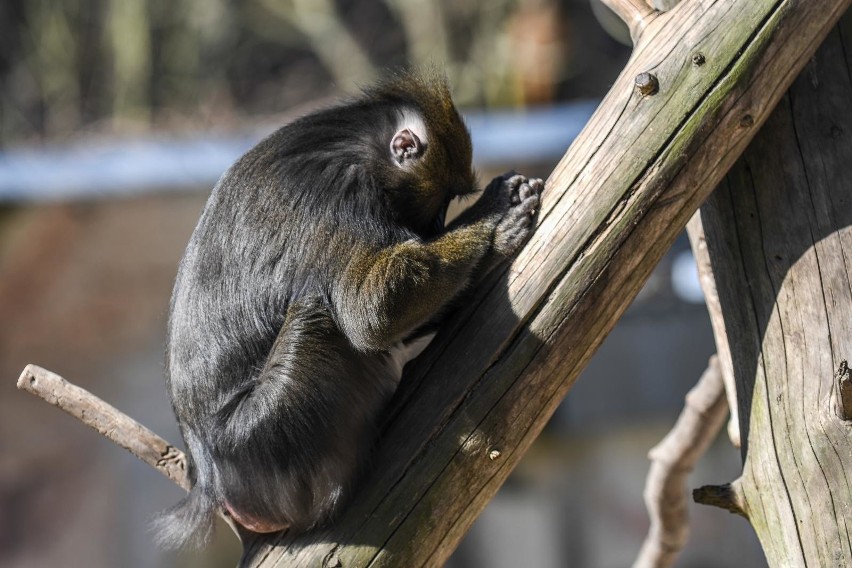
403,352
411,119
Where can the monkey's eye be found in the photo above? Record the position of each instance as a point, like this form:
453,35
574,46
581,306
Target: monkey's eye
405,146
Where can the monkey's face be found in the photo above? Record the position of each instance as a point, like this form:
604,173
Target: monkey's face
432,153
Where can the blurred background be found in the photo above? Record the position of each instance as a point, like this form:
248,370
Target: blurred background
116,118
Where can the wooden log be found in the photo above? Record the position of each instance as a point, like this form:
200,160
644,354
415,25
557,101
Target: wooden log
472,404
779,237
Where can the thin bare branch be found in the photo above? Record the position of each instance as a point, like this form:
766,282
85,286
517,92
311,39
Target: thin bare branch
671,462
114,424
107,420
711,297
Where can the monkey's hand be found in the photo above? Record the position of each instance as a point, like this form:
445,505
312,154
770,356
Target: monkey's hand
515,199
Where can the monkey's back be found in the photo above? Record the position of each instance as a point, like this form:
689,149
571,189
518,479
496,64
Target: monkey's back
306,285
278,228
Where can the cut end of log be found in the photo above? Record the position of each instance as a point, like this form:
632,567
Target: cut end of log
637,14
27,376
724,496
30,377
664,5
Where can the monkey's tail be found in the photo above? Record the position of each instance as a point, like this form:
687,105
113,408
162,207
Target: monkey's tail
187,524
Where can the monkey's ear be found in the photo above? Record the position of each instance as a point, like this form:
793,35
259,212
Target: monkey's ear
405,146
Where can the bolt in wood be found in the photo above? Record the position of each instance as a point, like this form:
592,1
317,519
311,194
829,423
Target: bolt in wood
647,84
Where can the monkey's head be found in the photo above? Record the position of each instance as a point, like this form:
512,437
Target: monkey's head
426,150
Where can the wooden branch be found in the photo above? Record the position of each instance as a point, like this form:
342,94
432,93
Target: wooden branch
779,238
717,322
637,14
491,379
116,426
672,460
727,496
106,420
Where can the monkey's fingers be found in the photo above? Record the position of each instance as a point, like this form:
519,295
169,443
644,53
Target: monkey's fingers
530,192
514,185
529,201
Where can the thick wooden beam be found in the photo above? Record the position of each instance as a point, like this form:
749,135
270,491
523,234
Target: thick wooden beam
473,403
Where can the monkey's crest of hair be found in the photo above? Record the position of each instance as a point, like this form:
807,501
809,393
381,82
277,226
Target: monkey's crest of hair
429,87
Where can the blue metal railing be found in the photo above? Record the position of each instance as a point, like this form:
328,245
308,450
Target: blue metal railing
132,166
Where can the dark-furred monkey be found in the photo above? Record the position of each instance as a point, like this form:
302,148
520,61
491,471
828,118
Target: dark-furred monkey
319,267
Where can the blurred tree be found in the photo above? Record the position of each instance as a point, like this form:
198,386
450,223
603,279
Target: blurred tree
69,65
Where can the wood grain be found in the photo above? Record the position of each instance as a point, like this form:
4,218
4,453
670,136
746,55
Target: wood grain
779,236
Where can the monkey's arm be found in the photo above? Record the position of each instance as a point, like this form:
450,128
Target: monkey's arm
388,294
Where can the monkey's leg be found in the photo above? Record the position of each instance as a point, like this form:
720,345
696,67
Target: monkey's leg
388,294
292,440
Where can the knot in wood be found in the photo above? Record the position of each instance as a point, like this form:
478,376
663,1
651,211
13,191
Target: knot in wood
843,378
747,121
647,84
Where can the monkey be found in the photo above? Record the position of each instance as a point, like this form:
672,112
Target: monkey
320,265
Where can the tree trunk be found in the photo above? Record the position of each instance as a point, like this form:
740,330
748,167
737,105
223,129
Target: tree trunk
779,237
701,81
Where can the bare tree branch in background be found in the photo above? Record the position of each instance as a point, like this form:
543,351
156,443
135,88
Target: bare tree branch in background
425,30
717,322
330,39
129,34
672,460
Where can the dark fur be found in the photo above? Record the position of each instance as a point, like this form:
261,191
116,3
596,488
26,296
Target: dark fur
315,255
